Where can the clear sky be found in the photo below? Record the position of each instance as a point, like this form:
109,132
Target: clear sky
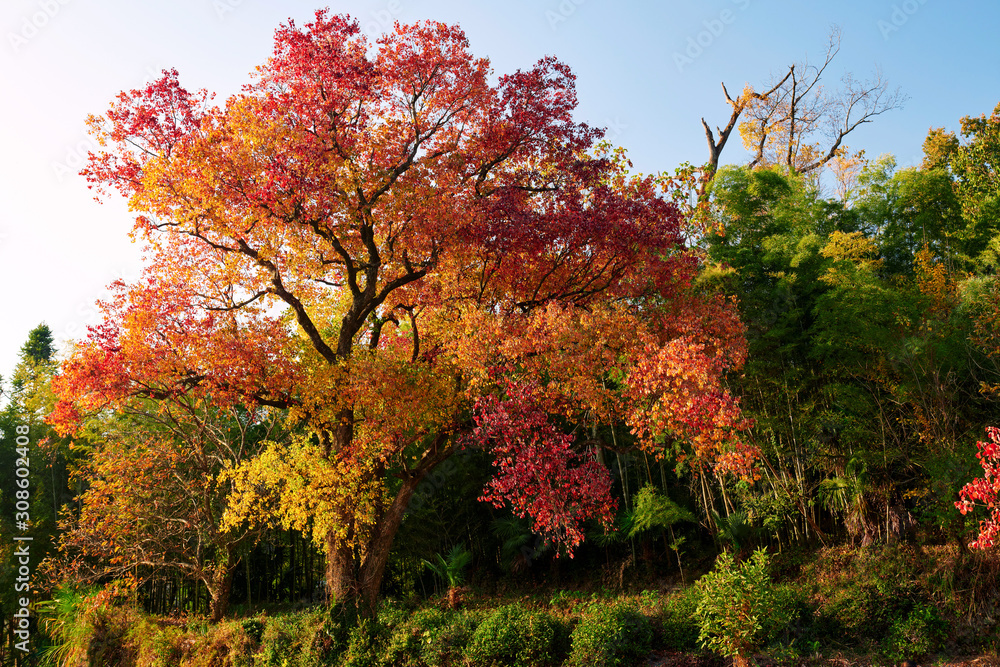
648,71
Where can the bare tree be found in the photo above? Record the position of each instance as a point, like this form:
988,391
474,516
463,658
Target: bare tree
781,125
739,105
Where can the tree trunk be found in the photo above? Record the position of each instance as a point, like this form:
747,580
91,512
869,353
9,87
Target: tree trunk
219,588
361,581
339,569
377,553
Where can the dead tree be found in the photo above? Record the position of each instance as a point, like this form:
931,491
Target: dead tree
781,125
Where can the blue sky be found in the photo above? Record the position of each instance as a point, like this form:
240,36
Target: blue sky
647,71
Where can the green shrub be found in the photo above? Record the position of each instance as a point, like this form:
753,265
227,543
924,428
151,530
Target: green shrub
300,640
610,636
87,628
916,636
870,598
430,638
109,644
366,644
679,629
254,628
156,646
513,636
225,645
278,640
738,610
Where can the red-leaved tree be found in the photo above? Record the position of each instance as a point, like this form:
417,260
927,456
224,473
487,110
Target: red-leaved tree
409,258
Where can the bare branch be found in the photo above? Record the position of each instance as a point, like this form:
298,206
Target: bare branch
783,124
738,105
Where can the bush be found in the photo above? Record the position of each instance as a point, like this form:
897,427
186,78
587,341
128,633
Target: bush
738,609
679,629
610,636
87,628
254,628
366,643
156,646
223,645
869,601
916,636
513,636
299,640
430,638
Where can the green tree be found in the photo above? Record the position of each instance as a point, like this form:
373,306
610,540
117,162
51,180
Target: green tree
976,166
859,354
28,400
39,347
769,257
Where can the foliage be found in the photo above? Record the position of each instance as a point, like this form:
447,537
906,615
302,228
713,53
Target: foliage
451,569
156,646
738,610
39,346
519,546
383,283
302,639
916,636
984,490
366,644
860,378
513,636
384,240
64,619
973,163
652,509
430,637
678,613
559,487
735,531
882,599
610,635
154,499
89,629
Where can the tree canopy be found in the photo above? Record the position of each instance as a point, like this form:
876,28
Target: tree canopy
409,260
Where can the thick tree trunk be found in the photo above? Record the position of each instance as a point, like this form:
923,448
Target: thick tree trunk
377,553
340,570
219,586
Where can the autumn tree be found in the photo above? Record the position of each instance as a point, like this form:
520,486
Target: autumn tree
154,497
410,259
743,101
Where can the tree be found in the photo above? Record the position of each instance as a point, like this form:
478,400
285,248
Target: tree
738,608
781,128
861,380
155,498
781,125
29,504
938,148
744,100
410,260
38,347
974,165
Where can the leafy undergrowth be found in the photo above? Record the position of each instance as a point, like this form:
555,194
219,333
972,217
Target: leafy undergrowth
841,606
